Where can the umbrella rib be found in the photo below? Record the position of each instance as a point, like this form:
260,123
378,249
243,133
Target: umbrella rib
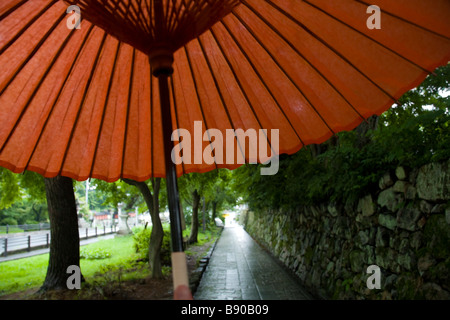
237,81
123,12
144,21
25,27
30,56
370,38
59,93
128,13
198,97
176,114
36,89
105,104
107,15
174,16
83,99
262,80
152,151
150,14
167,14
130,89
221,95
44,38
291,45
331,48
138,14
407,21
286,74
12,9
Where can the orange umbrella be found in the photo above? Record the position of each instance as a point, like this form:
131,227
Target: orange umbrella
101,100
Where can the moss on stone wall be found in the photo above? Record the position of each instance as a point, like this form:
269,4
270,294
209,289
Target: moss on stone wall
330,246
437,236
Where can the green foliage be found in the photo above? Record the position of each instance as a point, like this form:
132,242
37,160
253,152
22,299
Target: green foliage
9,188
420,139
27,273
215,187
352,163
94,254
8,221
437,237
108,195
24,212
141,240
22,198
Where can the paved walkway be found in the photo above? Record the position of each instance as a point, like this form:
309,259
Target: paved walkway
239,269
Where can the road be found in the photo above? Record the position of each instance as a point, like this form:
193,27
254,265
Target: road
18,242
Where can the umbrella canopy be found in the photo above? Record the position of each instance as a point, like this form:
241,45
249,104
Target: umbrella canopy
102,99
83,103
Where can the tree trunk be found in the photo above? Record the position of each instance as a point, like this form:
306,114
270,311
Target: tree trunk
65,240
156,238
37,212
194,223
204,215
183,220
157,235
214,209
363,129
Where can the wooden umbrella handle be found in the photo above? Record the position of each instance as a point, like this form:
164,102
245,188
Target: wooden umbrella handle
179,264
180,277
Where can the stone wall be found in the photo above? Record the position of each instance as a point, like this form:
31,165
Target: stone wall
403,227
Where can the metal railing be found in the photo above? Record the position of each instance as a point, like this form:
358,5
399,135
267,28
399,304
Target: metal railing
19,228
37,240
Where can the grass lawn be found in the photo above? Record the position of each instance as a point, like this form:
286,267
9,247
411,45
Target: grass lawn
11,230
27,273
107,262
22,274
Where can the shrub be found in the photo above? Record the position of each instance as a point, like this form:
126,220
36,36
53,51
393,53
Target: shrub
141,240
9,221
94,254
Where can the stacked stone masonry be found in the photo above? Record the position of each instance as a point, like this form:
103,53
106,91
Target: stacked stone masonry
403,227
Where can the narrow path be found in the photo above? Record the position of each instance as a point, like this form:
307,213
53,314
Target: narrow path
239,269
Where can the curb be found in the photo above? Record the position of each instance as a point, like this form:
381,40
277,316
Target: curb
197,274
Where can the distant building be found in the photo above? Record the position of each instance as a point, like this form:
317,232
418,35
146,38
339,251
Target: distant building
104,219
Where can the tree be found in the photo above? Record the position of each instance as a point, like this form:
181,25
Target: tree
192,186
111,194
131,193
157,234
413,132
22,198
213,188
221,194
65,244
9,188
32,189
189,195
194,226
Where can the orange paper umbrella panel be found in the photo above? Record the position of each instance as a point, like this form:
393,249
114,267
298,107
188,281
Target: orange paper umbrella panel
102,94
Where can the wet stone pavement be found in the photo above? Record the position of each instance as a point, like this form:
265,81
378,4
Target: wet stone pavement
239,269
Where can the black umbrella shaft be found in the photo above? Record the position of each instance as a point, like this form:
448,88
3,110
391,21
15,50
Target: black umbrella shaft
171,174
